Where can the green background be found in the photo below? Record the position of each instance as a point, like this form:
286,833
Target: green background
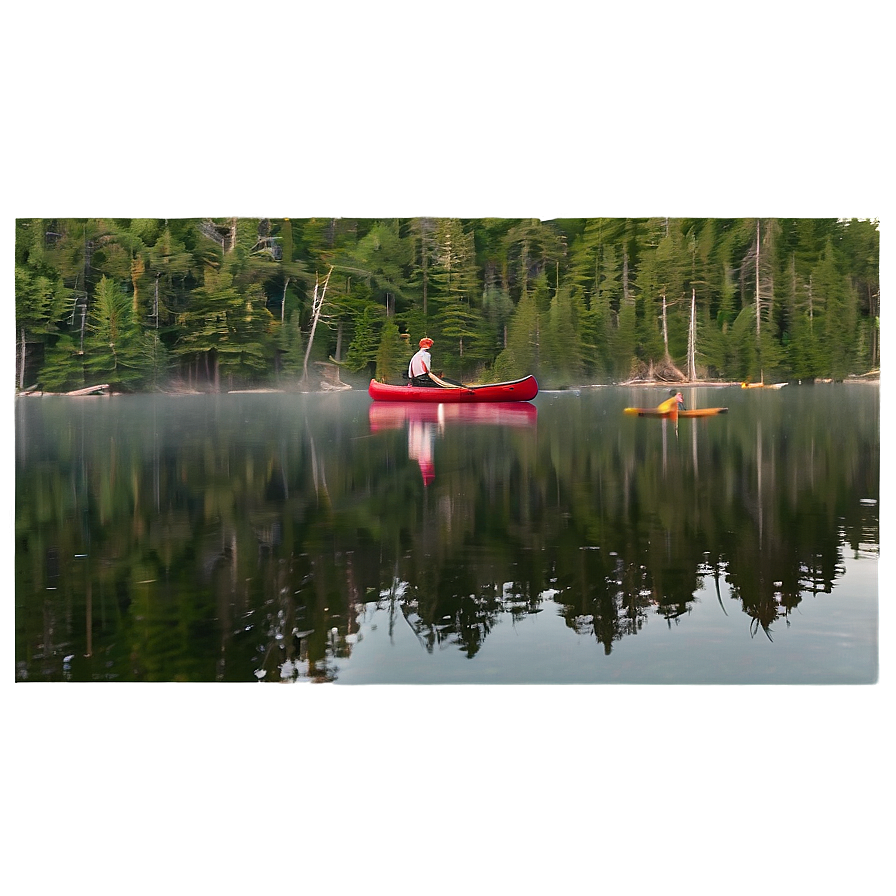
447,108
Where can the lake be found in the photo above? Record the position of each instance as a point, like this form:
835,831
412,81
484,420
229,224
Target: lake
321,537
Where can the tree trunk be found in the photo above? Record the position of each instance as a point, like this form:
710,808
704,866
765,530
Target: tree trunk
425,256
137,270
283,303
758,304
625,274
872,315
316,306
692,339
665,328
22,363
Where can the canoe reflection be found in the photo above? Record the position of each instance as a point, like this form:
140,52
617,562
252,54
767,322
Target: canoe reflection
427,421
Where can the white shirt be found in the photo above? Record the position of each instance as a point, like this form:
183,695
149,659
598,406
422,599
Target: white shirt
421,363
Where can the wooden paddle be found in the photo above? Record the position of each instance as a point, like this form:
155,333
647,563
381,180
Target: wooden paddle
448,384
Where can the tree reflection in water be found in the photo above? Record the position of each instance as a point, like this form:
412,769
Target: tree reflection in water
233,538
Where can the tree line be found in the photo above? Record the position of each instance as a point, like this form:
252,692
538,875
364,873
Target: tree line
211,304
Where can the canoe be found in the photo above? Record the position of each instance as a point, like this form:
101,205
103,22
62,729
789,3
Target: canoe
659,412
524,389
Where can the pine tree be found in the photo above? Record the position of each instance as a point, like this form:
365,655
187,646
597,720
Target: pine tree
383,256
364,346
390,353
113,351
563,354
522,355
63,367
532,246
291,346
228,331
40,298
624,341
838,313
497,307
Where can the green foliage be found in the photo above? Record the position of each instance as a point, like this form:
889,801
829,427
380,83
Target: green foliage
231,328
63,367
499,293
290,345
563,358
113,350
522,354
383,256
363,350
624,341
154,360
743,361
390,356
837,309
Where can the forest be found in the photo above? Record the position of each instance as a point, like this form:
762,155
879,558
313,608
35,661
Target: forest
215,304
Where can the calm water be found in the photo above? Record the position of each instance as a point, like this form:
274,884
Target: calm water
321,537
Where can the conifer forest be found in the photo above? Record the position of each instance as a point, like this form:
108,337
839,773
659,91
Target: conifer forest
215,304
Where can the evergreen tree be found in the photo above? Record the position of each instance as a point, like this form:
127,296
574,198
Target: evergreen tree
362,351
154,360
522,355
838,312
383,257
497,307
532,247
41,299
624,341
743,349
390,353
422,239
63,367
453,276
563,353
113,351
227,331
291,346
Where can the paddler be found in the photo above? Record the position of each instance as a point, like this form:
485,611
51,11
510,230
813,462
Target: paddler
421,365
675,403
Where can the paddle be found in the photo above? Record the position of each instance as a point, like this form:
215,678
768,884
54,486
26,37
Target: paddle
448,384
447,379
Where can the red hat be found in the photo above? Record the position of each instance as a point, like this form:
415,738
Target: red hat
426,342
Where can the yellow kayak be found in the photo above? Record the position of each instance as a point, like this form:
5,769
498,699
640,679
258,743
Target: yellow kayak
659,412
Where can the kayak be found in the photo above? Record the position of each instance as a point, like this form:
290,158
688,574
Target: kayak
660,412
524,389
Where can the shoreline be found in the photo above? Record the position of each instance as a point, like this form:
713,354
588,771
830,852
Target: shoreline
107,392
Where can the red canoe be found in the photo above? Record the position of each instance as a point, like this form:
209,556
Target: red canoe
517,390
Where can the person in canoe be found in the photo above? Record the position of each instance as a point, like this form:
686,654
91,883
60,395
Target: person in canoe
421,365
676,402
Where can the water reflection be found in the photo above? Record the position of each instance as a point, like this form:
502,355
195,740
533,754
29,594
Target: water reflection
264,537
426,422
